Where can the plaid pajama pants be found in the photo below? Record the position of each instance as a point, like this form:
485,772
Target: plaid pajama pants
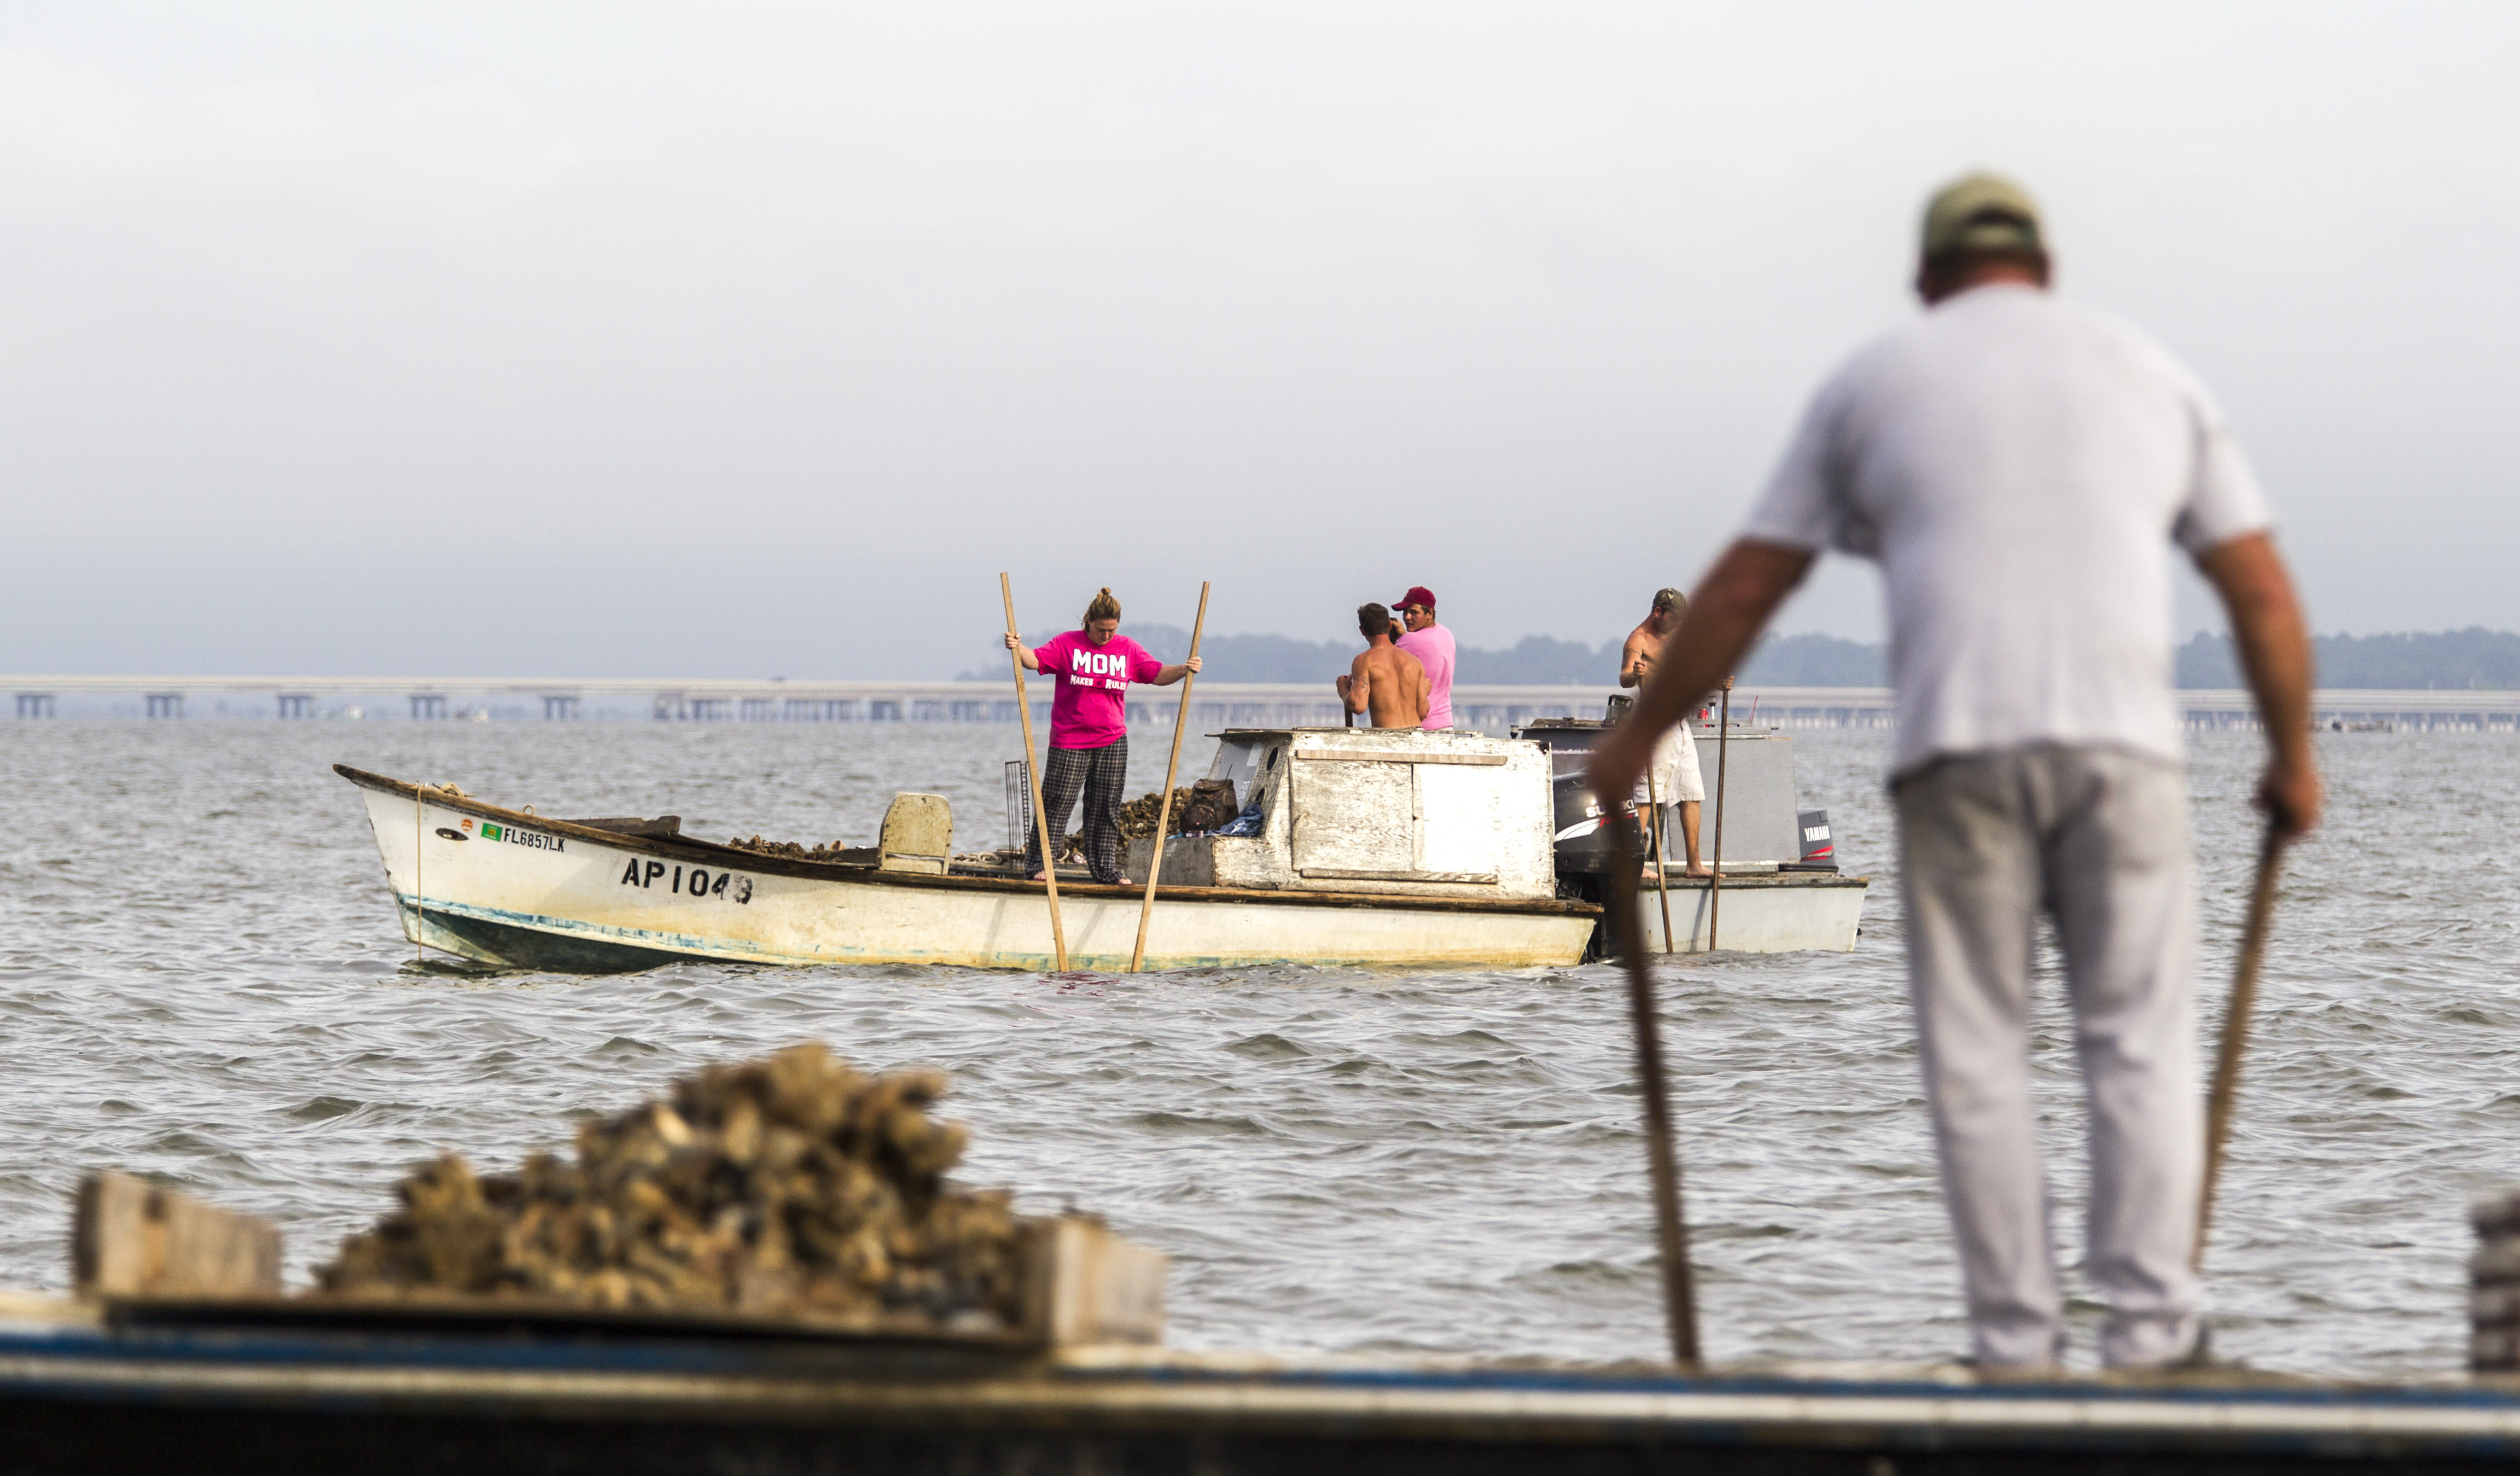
1103,774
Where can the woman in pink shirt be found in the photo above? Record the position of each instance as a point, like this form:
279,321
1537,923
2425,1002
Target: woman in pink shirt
1089,730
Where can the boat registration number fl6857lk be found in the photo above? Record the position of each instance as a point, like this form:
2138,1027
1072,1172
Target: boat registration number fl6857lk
507,835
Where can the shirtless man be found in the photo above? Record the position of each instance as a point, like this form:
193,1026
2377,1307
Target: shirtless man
1385,681
1675,779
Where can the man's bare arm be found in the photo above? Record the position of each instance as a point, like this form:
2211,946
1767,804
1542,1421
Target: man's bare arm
2273,638
1358,673
1635,666
1425,694
1732,606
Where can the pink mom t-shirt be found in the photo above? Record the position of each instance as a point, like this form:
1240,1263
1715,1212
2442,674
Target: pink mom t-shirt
1433,648
1090,708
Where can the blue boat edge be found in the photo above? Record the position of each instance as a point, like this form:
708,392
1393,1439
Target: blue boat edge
81,1387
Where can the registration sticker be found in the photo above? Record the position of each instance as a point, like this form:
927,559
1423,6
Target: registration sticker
509,834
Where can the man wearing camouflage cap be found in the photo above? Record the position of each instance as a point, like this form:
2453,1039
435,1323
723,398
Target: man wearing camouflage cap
1677,780
2016,463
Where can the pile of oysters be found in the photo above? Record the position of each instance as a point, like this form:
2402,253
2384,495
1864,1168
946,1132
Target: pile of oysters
1138,816
792,1187
833,851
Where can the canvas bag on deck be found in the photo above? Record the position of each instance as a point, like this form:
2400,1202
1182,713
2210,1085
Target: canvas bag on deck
1211,804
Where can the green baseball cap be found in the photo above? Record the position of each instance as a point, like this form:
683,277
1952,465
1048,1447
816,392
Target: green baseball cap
1982,212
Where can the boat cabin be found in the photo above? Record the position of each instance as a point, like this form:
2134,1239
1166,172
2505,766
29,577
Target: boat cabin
1363,810
1768,832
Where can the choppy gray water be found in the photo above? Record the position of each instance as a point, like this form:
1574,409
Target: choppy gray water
201,978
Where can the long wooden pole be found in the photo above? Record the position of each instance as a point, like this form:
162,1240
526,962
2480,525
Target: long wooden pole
419,891
1662,881
1715,883
2224,1100
1164,809
1671,1228
1032,771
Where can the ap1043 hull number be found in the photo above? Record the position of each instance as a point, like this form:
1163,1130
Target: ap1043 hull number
688,881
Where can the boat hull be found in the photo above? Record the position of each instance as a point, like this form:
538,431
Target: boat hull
514,889
1761,913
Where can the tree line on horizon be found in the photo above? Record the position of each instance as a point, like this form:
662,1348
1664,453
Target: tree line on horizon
2477,658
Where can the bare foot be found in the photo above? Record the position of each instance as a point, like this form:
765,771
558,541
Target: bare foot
1698,870
1041,875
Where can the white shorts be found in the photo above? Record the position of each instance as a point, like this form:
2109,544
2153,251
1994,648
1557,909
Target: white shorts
1675,779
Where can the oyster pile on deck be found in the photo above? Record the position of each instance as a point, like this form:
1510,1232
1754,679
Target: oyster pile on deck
790,1185
790,849
1138,816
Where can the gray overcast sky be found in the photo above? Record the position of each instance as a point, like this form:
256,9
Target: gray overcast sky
755,339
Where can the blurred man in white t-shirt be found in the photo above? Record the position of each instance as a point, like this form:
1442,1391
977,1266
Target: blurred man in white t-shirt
2018,464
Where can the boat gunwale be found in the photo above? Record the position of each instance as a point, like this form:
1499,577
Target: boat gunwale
689,849
718,1383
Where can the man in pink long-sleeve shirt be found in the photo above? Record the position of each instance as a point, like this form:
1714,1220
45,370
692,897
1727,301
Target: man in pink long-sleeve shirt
1432,646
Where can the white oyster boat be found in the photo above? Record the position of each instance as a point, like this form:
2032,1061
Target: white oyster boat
1394,849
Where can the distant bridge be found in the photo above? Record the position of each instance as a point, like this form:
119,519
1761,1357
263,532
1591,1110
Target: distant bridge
1214,704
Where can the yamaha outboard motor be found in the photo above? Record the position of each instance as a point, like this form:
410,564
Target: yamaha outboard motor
1820,847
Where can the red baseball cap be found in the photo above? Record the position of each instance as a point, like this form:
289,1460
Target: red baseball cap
1418,593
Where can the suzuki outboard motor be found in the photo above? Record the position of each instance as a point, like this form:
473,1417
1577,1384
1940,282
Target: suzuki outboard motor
1582,829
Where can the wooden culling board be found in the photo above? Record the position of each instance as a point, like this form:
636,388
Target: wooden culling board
129,1237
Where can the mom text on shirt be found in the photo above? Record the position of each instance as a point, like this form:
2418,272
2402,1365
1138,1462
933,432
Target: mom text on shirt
1084,667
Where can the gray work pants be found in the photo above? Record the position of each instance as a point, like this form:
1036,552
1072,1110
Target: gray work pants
2096,838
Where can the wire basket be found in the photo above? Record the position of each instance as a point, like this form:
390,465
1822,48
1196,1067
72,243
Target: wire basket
1018,804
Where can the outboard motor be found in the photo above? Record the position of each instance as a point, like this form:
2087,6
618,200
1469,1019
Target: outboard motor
1582,831
1820,846
1582,827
